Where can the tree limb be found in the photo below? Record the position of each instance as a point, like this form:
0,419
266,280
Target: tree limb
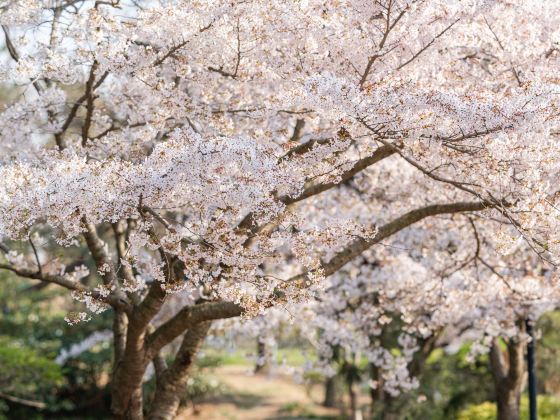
314,189
113,300
359,245
248,222
188,317
48,278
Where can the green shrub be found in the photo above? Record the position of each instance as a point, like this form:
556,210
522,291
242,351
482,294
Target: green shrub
24,372
548,409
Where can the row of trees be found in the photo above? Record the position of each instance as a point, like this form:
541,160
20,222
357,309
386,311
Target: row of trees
353,162
52,369
394,308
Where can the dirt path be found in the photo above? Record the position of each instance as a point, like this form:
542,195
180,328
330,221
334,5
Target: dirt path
259,397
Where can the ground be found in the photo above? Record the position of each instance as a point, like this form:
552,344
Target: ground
258,397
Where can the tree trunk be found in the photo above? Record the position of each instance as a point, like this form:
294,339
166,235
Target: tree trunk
389,412
140,349
354,405
330,392
126,393
389,407
263,358
120,325
136,405
374,392
128,370
507,369
351,375
384,399
172,384
126,387
508,405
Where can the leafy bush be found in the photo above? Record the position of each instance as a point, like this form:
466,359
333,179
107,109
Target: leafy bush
33,334
25,375
24,372
548,409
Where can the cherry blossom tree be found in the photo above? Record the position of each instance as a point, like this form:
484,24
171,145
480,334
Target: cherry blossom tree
436,285
461,292
239,153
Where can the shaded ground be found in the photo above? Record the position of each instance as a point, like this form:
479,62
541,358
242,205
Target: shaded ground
259,397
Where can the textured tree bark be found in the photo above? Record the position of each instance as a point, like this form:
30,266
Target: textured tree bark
508,406
126,388
120,325
134,409
134,352
126,392
507,369
129,371
173,381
